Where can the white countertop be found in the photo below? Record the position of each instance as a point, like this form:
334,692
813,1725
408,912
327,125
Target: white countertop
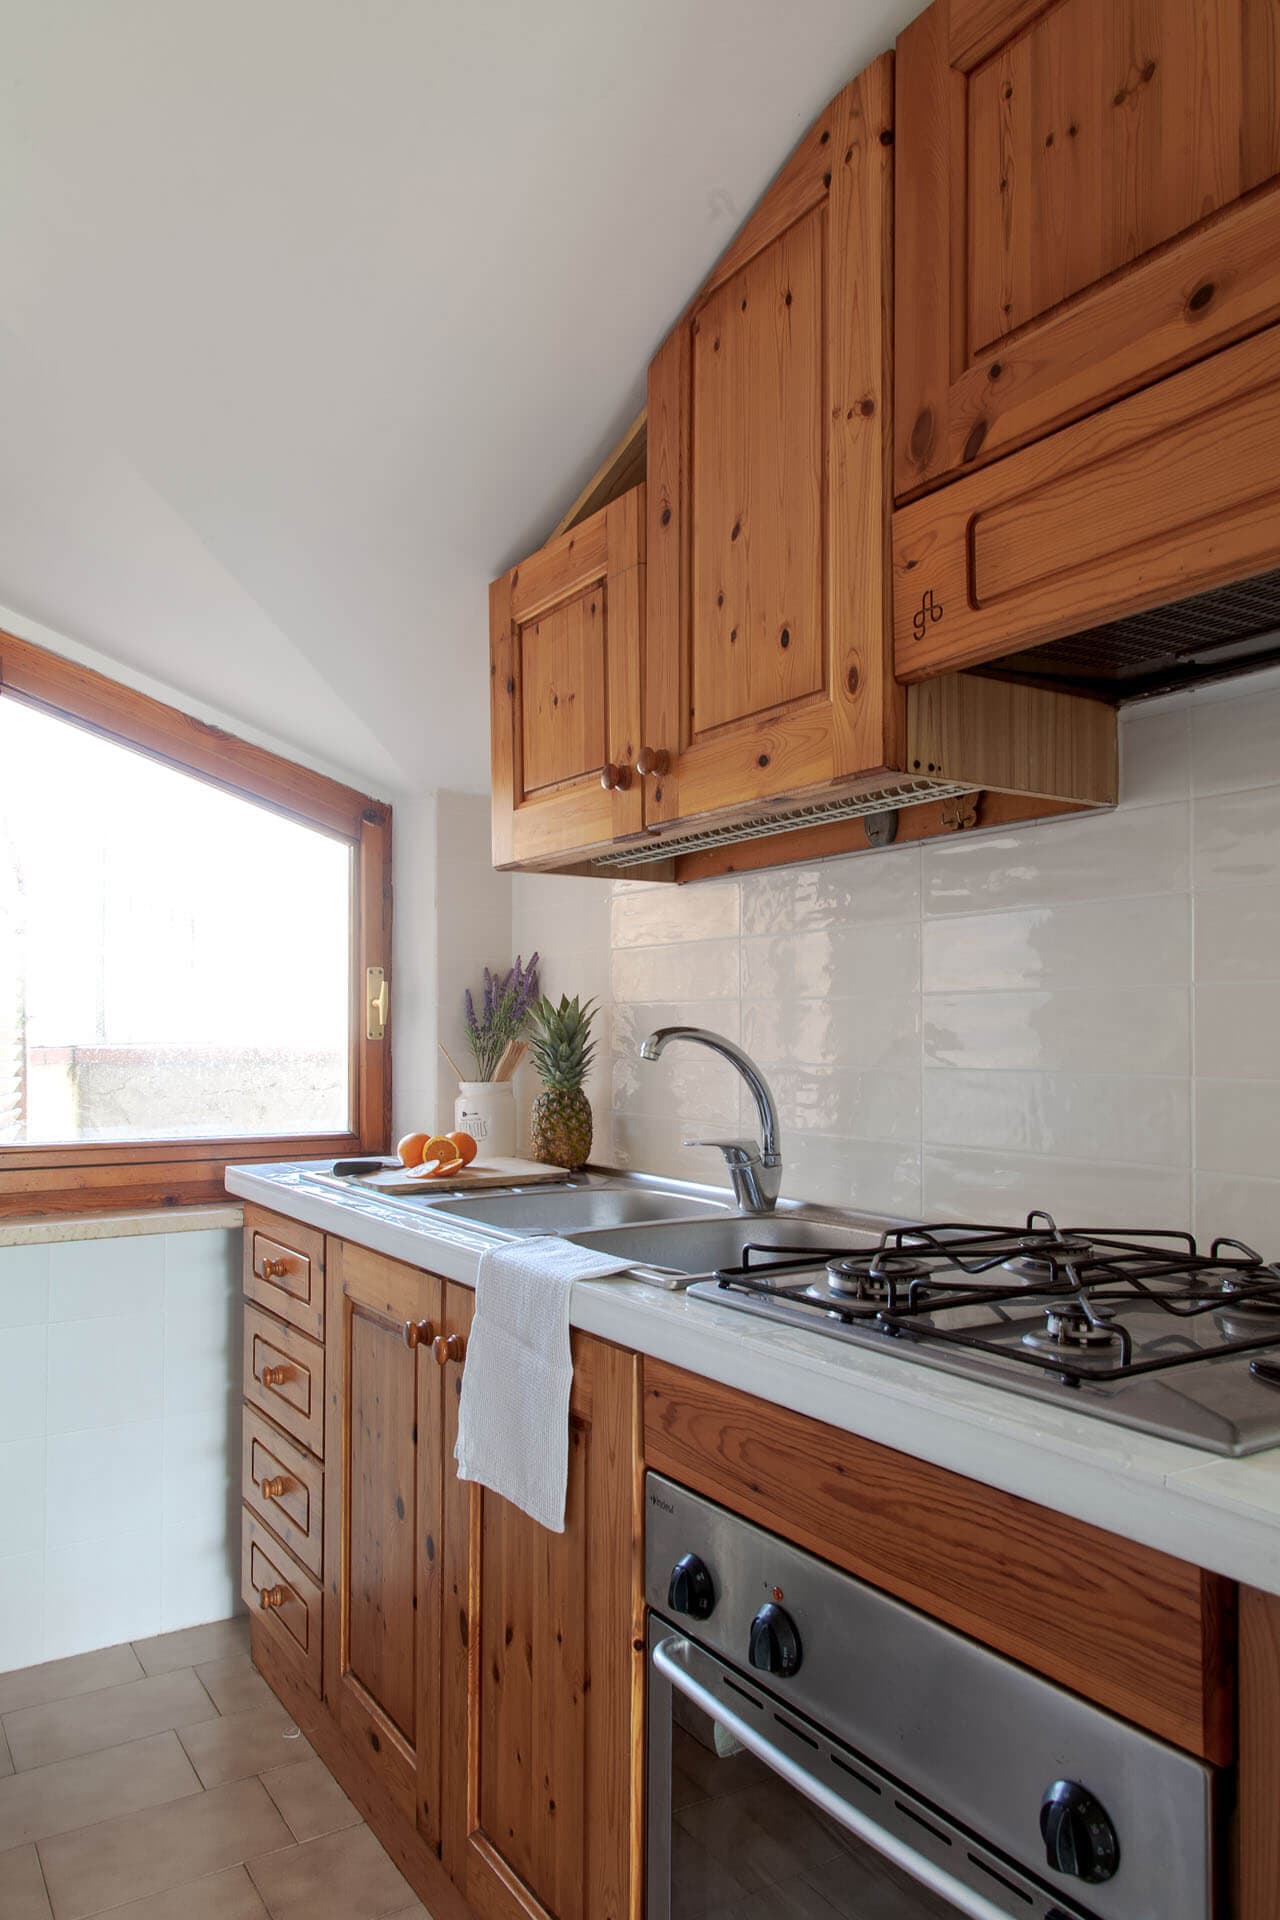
1218,1512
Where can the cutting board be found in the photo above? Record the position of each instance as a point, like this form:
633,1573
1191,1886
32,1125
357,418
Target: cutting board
474,1179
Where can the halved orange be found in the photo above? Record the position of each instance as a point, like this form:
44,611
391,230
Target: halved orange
438,1146
439,1169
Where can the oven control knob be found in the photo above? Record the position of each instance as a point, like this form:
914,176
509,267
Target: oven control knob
1079,1838
775,1642
691,1590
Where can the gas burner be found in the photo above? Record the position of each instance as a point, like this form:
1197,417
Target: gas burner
1068,1329
1041,1257
861,1276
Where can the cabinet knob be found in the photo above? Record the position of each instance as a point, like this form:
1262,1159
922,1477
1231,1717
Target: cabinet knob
271,1597
615,779
274,1269
652,760
275,1488
448,1347
417,1333
275,1376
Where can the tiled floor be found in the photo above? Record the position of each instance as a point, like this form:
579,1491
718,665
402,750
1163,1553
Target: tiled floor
164,1781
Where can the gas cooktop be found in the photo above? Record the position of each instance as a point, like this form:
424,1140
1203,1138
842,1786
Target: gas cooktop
1140,1328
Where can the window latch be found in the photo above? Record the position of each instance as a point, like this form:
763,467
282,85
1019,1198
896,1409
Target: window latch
377,1001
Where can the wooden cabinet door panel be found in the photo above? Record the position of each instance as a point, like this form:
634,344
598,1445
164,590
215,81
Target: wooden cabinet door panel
1088,195
765,660
382,1525
566,631
1171,492
543,1668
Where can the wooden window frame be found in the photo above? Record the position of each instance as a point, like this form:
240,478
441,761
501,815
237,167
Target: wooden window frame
39,1182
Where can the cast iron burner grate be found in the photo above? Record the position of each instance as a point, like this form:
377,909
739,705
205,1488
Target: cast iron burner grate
1081,1280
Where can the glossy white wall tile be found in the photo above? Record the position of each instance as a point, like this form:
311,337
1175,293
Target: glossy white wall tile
119,1439
1083,1014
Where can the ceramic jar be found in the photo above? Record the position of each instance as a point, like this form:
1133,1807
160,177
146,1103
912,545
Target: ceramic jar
486,1109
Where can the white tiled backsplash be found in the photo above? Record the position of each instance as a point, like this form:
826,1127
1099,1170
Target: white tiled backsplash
1083,1014
119,1439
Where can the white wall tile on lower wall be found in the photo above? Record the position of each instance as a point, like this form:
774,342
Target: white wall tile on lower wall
119,1439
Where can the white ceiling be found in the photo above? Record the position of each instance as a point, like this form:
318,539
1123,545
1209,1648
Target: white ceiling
316,313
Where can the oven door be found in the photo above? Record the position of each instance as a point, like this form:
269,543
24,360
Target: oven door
797,1824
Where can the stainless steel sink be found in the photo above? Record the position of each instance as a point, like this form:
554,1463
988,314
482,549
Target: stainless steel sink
701,1246
571,1210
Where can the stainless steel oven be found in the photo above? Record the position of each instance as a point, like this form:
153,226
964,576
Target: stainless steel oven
880,1763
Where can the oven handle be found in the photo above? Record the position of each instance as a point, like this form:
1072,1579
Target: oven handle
672,1658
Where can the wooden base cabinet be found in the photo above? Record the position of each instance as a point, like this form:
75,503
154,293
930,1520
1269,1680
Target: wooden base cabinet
543,1668
474,1681
382,1528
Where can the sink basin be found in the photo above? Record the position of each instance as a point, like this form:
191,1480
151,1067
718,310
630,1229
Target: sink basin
569,1210
701,1246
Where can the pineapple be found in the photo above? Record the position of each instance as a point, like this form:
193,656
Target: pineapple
561,1044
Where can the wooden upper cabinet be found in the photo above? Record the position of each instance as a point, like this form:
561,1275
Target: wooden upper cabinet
566,630
766,670
1088,196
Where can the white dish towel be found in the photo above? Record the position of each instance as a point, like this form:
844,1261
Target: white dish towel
513,1415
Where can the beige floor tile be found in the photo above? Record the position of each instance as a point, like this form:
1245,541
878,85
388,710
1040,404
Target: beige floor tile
344,1876
234,1685
239,1744
221,1896
120,1860
60,1679
194,1646
39,1735
6,1758
93,1787
416,1912
22,1894
310,1799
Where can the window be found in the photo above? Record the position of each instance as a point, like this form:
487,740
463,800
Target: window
187,925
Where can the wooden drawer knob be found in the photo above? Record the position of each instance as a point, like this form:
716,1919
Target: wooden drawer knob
271,1597
652,760
417,1333
275,1376
274,1269
275,1488
615,779
448,1347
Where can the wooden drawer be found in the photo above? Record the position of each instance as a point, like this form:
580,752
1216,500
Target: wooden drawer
284,1269
285,1488
284,1377
1009,1573
283,1598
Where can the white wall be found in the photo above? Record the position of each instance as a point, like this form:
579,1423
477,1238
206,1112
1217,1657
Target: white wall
1083,1015
119,1439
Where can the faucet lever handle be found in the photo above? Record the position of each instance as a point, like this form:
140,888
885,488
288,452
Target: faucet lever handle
737,1153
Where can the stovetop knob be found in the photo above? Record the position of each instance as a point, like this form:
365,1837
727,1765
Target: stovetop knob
774,1646
692,1590
1079,1838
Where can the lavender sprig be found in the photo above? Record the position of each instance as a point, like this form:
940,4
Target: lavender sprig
505,1004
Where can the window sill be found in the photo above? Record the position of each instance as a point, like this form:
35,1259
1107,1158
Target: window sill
118,1226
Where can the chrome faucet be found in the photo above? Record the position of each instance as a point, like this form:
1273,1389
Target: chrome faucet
756,1171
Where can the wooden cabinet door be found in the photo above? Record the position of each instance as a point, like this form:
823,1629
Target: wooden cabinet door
383,1489
766,666
543,1668
565,638
1087,197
